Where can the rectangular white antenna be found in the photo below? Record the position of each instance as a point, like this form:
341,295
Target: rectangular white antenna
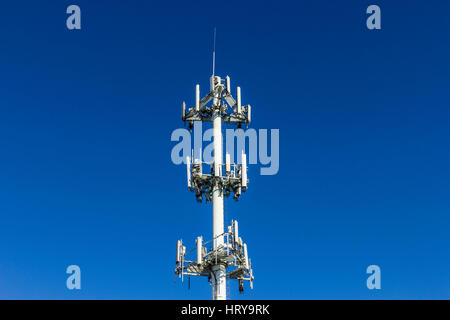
246,256
211,83
188,166
197,97
179,243
249,113
199,161
238,99
183,110
244,170
199,249
227,163
228,84
236,231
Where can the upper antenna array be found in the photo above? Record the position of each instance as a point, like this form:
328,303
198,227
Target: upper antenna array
224,105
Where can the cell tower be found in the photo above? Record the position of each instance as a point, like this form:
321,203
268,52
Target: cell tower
225,256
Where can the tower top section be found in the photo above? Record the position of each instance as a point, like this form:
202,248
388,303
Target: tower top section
223,103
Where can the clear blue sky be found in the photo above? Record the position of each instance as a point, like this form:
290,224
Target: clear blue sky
86,116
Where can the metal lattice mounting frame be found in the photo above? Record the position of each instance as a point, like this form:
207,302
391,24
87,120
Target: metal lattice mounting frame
229,108
232,254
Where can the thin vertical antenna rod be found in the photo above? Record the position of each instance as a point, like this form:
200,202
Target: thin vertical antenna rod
214,53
